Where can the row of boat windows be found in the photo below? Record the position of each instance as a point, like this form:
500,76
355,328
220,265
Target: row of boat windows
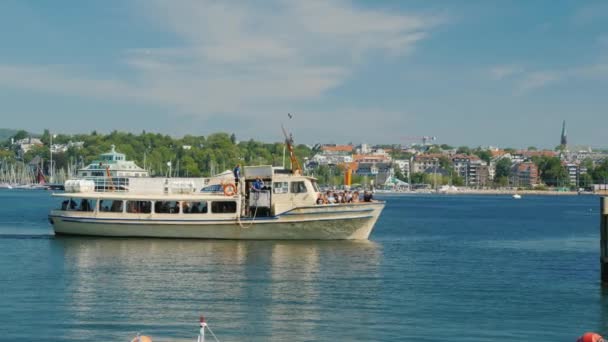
146,207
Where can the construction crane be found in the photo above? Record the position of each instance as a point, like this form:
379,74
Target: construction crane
424,139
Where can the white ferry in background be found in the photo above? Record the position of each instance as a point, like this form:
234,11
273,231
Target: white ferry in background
215,208
112,171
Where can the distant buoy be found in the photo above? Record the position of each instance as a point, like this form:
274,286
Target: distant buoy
590,337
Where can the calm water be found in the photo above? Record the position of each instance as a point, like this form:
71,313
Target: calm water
468,268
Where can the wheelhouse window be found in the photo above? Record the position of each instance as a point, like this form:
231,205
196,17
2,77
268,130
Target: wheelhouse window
315,186
139,207
194,208
166,207
298,187
223,207
110,206
280,187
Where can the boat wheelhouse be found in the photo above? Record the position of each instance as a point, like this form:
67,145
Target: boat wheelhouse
112,170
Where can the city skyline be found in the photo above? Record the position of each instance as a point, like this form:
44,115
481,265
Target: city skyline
468,72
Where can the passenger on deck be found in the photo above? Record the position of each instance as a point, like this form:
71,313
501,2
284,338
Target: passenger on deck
348,197
258,184
368,196
64,205
237,175
331,199
356,197
320,198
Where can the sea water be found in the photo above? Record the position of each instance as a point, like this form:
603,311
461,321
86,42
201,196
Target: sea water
451,268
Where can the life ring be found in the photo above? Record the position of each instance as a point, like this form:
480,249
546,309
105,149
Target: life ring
229,189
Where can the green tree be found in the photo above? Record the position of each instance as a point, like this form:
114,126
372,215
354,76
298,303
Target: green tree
399,174
484,155
21,134
418,178
552,172
600,173
463,150
585,180
503,168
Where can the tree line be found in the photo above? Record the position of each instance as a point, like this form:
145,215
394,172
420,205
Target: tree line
190,155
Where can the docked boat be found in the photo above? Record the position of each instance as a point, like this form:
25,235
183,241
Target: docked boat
112,170
215,208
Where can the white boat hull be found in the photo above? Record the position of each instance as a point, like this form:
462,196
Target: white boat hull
341,222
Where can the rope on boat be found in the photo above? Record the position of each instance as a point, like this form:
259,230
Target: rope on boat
238,218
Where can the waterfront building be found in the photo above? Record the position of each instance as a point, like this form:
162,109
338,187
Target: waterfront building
403,165
423,162
524,175
337,150
62,148
25,145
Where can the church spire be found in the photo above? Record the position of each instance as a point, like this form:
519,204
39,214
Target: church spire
564,139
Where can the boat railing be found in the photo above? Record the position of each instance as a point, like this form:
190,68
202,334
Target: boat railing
109,184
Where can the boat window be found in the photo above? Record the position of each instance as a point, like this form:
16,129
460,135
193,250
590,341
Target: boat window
280,187
298,187
86,205
110,206
166,207
69,204
139,207
223,207
315,187
194,208
213,188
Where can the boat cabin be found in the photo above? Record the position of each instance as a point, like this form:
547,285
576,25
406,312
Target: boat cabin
280,192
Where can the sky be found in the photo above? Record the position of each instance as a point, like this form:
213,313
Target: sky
478,73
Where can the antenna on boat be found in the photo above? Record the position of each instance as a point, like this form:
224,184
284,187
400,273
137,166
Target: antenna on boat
295,164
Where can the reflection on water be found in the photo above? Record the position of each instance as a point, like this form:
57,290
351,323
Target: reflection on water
278,290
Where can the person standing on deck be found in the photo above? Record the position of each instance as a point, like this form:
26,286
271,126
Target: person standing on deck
237,175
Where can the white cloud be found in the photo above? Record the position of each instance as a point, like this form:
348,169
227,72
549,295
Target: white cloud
538,79
233,57
530,80
500,72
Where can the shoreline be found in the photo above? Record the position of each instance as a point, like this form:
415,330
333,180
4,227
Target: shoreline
501,192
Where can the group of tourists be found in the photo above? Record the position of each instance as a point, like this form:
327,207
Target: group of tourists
335,197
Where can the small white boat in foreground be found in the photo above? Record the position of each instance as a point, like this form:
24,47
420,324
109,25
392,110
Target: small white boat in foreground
201,336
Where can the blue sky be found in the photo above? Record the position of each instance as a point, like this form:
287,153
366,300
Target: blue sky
501,73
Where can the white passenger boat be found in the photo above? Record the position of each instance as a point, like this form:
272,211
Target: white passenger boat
285,208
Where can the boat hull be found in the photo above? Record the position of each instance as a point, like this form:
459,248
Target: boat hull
310,223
